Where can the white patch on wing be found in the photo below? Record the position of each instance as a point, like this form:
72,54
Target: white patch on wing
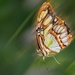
42,15
60,29
65,39
66,43
57,28
47,29
47,20
52,43
55,19
63,35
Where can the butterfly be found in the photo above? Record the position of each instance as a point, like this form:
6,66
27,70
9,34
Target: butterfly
52,33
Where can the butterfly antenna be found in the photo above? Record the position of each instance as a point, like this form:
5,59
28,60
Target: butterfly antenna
55,59
46,66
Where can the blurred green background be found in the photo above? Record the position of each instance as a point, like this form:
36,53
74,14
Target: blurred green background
17,39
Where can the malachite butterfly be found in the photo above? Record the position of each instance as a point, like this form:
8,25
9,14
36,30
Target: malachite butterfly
52,33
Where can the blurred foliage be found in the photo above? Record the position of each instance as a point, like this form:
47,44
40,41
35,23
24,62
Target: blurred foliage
17,47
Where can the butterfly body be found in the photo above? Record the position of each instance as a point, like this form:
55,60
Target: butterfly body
52,34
